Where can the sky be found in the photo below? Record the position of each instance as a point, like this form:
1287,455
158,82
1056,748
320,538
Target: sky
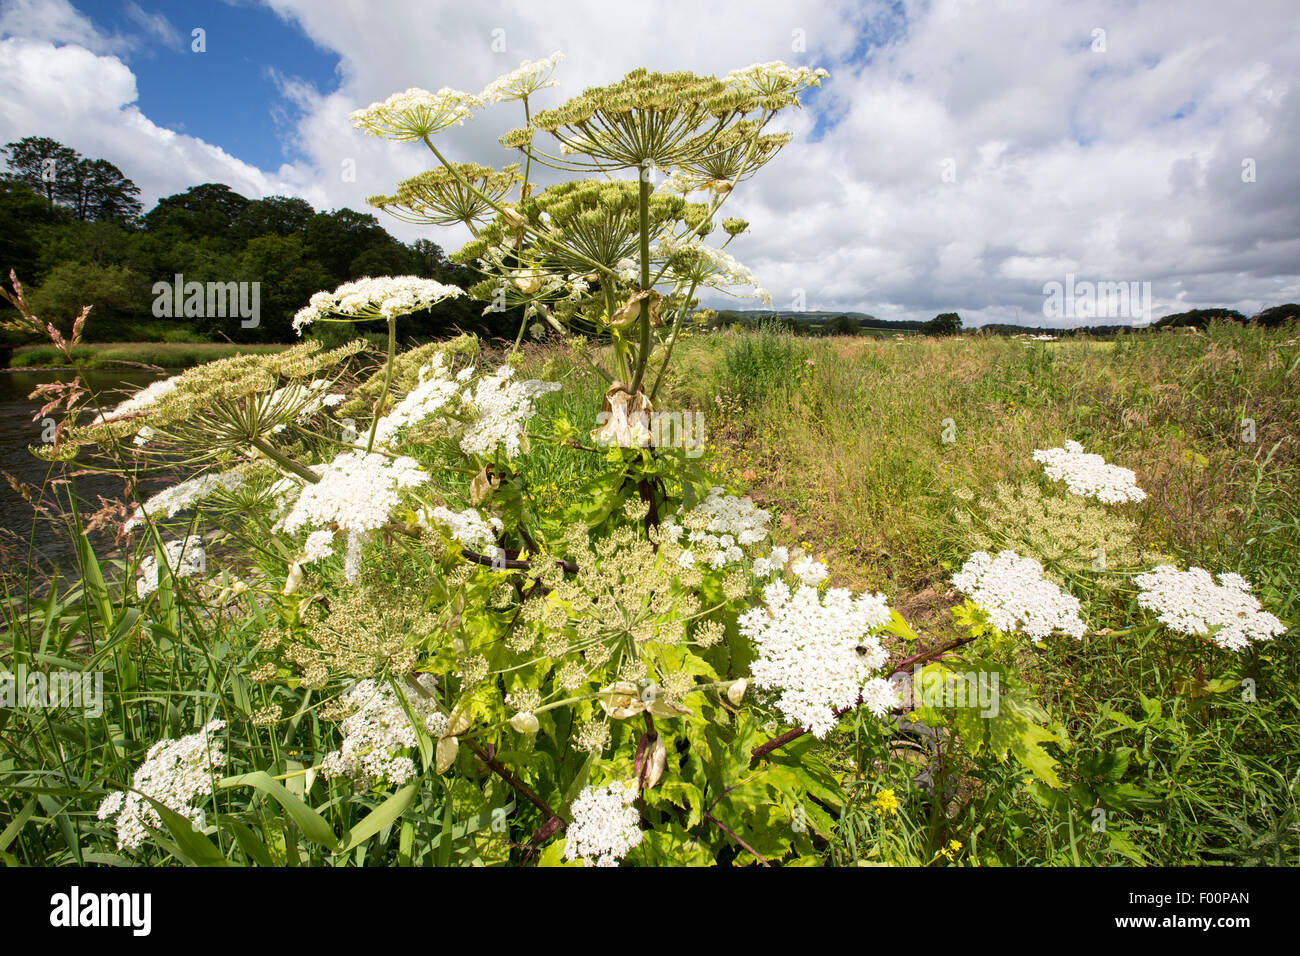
963,156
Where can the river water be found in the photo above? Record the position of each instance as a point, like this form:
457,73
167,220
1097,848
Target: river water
25,538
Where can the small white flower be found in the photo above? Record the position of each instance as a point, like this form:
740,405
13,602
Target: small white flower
357,491
320,544
186,558
415,113
378,734
182,496
809,570
820,652
527,79
385,297
468,527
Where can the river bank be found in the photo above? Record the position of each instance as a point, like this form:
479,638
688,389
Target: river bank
107,355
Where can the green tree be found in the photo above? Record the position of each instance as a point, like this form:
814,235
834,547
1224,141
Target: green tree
287,278
209,210
93,189
842,325
946,323
338,239
278,215
96,191
24,215
112,291
39,162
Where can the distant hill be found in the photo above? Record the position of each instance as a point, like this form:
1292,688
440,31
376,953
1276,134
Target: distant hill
862,320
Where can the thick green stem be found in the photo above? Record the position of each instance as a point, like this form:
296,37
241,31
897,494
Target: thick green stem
388,378
672,342
284,461
643,208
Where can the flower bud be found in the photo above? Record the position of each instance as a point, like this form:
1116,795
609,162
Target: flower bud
445,754
295,578
737,690
656,761
525,723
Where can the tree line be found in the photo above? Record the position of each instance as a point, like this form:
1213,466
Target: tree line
73,231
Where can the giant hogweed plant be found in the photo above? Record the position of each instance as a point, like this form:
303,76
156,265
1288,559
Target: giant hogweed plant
579,678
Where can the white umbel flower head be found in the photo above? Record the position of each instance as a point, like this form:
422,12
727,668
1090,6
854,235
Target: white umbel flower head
416,113
144,398
605,825
520,83
436,389
320,544
775,77
182,496
468,527
821,652
174,772
356,490
186,558
1088,476
1016,596
378,734
1191,603
385,297
716,531
499,407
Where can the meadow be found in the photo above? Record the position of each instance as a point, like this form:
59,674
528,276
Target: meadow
890,461
865,449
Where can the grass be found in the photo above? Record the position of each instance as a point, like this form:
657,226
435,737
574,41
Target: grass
108,354
860,447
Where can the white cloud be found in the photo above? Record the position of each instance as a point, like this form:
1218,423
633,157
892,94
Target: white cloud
85,100
1117,165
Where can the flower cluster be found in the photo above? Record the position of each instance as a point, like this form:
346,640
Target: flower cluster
1016,596
174,772
356,491
500,406
436,389
696,261
1191,603
717,528
468,527
416,113
820,651
182,496
186,558
774,563
378,732
385,297
142,399
523,82
605,825
775,78
1088,475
